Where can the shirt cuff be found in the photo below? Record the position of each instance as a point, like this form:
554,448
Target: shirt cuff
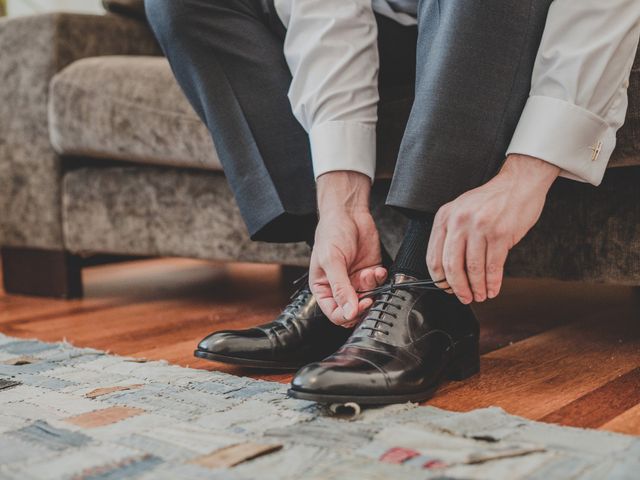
343,146
563,134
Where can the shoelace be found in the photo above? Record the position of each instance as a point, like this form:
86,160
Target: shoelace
298,298
300,284
391,290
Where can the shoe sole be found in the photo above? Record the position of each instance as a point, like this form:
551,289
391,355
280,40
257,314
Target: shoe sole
247,362
362,399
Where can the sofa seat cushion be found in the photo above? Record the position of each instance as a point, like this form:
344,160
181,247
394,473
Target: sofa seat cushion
160,211
127,108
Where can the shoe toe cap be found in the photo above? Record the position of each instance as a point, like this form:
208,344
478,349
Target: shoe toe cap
216,342
325,377
229,343
309,377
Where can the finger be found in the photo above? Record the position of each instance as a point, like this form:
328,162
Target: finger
380,275
368,279
323,295
453,258
334,313
319,285
434,254
331,310
352,323
476,256
343,292
364,305
496,256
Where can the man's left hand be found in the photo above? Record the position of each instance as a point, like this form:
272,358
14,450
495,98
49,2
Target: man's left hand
473,234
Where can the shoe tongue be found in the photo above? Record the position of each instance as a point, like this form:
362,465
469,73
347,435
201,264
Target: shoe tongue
403,278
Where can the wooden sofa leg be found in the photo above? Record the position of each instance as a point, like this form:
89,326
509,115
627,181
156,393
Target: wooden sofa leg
44,273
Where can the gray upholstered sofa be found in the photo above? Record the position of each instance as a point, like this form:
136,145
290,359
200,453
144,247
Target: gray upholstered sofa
101,154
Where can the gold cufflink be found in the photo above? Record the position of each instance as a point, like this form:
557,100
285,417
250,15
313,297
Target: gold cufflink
596,149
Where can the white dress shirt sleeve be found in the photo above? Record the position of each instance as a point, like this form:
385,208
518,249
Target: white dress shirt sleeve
578,97
331,50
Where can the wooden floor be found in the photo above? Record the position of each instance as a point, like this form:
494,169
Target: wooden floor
558,352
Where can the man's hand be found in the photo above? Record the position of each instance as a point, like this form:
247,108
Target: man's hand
473,234
346,255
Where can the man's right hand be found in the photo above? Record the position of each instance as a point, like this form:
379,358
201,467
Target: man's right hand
346,255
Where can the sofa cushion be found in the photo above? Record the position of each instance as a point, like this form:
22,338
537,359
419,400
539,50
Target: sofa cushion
162,212
127,108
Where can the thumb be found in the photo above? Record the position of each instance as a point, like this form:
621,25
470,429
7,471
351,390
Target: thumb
343,292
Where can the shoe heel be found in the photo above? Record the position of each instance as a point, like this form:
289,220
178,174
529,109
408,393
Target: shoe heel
467,364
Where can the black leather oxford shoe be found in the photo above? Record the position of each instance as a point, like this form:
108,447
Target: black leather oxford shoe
301,334
412,338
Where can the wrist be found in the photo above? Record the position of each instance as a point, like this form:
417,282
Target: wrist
527,172
343,192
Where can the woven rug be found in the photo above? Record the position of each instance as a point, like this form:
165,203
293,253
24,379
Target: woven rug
75,413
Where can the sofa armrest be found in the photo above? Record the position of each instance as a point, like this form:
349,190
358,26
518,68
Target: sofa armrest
32,50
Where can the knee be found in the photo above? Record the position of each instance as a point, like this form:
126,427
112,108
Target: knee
166,17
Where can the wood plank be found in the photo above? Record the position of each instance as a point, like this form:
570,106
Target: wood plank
602,404
628,422
545,372
526,307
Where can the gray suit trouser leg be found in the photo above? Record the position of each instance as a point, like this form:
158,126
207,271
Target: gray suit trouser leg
474,66
470,63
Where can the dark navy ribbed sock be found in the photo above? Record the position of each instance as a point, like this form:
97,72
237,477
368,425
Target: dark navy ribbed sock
411,257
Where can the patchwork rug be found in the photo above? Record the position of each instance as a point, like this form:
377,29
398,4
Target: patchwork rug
73,413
